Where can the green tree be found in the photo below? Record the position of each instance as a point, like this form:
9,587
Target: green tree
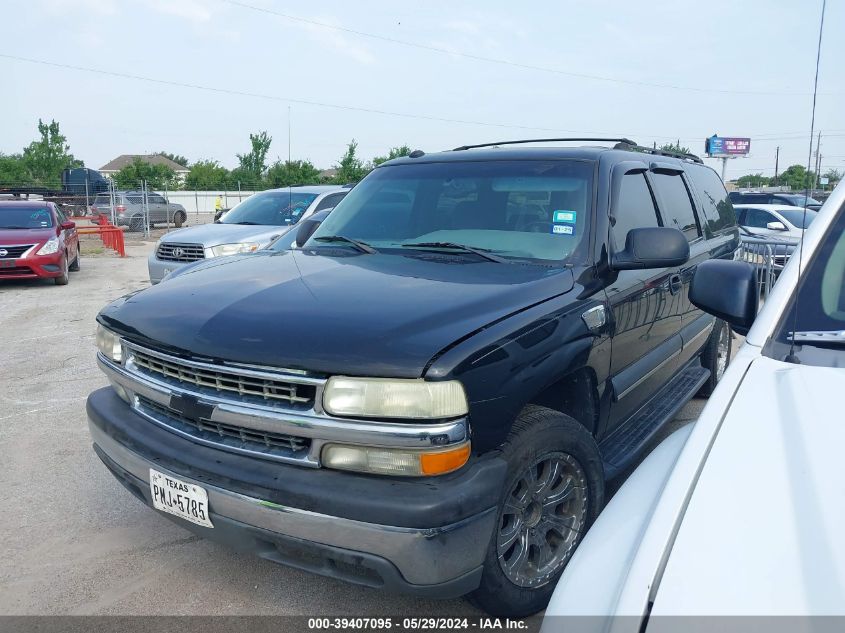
157,176
395,152
675,147
797,178
351,168
46,157
13,171
254,164
176,158
207,175
294,172
246,179
753,180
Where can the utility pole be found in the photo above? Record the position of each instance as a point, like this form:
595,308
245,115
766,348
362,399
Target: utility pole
777,156
818,159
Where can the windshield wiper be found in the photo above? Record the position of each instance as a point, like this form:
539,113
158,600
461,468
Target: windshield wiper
245,222
820,338
361,246
19,227
486,254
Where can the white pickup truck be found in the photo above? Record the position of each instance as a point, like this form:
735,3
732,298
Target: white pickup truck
742,513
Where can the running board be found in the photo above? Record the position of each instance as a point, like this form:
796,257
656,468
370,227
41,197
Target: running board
626,443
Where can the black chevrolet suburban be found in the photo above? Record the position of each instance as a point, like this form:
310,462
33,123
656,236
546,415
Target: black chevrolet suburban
430,391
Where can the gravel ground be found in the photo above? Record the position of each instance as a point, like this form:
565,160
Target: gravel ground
75,542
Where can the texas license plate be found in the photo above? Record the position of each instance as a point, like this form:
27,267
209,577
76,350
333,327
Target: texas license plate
180,498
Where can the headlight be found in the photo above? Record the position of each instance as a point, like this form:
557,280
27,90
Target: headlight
394,461
50,247
233,249
387,398
109,344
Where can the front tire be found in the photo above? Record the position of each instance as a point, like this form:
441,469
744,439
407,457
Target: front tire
64,278
553,492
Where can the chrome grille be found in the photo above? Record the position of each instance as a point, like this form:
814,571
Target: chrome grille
13,252
174,252
228,435
251,386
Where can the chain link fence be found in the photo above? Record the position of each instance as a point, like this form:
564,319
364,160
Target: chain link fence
138,206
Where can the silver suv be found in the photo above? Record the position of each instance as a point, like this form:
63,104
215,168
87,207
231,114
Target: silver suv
129,209
247,227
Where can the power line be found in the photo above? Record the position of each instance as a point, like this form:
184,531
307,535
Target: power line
322,104
506,62
257,95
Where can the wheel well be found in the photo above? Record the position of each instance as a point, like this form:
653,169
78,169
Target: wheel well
575,395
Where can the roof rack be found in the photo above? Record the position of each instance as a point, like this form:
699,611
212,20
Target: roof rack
625,141
630,145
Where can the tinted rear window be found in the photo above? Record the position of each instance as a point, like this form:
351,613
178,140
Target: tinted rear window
676,206
715,202
634,209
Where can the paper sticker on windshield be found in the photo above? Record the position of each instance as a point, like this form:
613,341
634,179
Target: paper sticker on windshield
565,216
563,229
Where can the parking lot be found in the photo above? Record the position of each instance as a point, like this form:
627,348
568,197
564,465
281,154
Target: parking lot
75,541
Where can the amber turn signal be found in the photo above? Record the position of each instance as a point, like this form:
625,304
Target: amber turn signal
444,461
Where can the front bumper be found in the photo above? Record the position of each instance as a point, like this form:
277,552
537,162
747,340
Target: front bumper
159,269
32,267
420,536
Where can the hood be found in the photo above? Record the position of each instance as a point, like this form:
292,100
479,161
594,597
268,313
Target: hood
762,534
216,234
10,237
375,315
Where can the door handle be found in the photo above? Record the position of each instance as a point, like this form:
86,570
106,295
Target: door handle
675,284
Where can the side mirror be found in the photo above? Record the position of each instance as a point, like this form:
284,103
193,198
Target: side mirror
777,225
308,226
66,226
727,289
656,247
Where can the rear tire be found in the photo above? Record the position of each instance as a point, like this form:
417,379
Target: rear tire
65,277
179,219
716,356
136,223
554,490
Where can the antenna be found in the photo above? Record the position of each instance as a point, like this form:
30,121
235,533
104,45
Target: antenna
290,192
791,357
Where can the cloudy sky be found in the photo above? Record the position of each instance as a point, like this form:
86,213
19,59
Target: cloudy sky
431,74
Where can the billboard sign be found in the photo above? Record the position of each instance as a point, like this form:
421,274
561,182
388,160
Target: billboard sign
727,146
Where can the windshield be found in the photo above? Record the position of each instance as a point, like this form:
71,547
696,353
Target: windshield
820,303
796,218
537,210
273,208
25,217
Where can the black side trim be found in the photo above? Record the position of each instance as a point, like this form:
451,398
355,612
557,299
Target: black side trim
640,369
691,330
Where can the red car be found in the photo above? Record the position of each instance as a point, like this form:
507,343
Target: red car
36,240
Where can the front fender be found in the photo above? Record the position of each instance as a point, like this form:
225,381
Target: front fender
597,572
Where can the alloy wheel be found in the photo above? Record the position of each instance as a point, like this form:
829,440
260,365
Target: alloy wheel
723,348
543,519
